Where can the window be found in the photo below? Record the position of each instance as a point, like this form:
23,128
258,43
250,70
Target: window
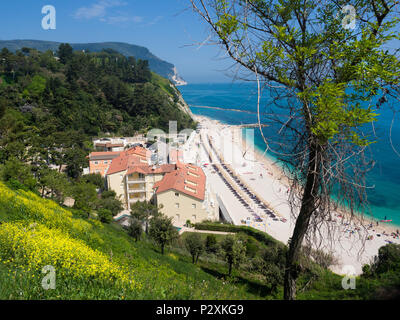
194,184
177,194
193,206
192,174
177,205
105,162
190,189
96,162
194,218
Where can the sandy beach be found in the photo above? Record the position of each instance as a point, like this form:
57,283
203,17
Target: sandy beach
347,240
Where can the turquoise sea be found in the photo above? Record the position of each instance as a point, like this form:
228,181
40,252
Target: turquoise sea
384,198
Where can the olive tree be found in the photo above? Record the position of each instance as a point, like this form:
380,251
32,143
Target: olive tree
234,251
162,231
194,244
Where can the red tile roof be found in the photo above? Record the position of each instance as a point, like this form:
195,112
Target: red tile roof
103,155
165,168
137,156
187,179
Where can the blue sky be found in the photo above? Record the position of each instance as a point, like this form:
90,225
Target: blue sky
167,27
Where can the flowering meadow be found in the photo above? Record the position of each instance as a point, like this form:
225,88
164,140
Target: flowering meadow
91,260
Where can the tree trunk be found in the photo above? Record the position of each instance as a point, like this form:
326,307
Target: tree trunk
230,269
193,259
308,207
162,249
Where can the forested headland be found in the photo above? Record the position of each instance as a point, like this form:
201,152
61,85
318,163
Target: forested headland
52,104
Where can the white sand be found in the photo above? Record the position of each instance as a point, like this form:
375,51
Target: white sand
347,242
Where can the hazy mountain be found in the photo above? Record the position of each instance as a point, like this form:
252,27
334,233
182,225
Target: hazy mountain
157,65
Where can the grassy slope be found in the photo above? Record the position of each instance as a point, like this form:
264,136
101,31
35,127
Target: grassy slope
156,277
24,217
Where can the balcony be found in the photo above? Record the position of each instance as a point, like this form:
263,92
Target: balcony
136,180
137,190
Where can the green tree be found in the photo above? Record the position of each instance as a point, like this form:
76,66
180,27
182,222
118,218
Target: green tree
85,196
234,251
113,204
55,184
3,106
194,244
95,179
65,53
36,87
162,231
271,264
326,73
16,171
144,211
105,215
75,159
252,248
387,260
211,245
135,229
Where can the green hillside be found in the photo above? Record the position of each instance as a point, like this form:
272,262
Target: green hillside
100,261
52,107
92,261
163,68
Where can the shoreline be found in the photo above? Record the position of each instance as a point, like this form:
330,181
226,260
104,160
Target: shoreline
350,242
269,161
278,171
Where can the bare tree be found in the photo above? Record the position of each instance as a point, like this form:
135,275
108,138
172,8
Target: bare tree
322,62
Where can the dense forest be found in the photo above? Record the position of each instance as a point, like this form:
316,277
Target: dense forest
53,104
157,65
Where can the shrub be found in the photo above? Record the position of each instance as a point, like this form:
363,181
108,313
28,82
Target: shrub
95,179
105,215
251,247
387,260
194,245
135,229
211,245
258,235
